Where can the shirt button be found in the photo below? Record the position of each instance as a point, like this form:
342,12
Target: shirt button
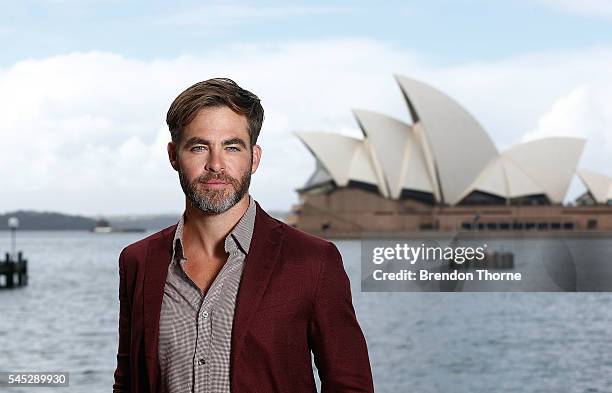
205,314
201,362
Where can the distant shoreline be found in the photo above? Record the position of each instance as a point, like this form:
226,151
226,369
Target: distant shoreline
51,221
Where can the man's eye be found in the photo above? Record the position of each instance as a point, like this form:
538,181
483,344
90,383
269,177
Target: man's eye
198,148
233,148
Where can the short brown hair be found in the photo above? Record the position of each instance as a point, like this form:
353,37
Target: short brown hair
212,93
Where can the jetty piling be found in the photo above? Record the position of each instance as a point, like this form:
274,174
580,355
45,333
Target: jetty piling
13,272
14,264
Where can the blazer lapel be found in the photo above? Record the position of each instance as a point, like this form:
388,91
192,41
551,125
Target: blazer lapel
258,266
156,270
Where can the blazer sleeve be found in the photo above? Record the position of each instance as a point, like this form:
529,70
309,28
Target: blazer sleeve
337,342
122,372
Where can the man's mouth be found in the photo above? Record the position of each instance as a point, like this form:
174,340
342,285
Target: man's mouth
216,183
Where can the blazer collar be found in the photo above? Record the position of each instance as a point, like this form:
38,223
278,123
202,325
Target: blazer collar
259,263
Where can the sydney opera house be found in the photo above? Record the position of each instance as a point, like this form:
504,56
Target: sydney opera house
444,173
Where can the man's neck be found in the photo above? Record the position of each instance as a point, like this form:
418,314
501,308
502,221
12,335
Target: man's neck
206,233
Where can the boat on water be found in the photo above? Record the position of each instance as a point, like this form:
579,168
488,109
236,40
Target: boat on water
103,226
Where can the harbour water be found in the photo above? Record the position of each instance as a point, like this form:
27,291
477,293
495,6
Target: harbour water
66,320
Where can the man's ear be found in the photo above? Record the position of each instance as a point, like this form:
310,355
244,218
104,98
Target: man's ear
256,158
173,155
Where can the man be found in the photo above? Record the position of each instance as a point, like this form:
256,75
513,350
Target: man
230,299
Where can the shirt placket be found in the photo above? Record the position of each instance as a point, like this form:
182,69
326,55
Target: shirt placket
222,339
201,359
203,367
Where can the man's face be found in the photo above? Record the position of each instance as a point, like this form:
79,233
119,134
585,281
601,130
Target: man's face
215,160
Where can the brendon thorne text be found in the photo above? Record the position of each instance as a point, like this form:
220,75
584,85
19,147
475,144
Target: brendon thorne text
425,275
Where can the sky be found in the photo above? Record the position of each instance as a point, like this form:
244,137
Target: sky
85,85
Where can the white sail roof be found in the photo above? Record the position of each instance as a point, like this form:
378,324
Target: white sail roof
520,184
503,178
543,166
550,162
455,138
344,158
599,185
397,151
491,180
319,176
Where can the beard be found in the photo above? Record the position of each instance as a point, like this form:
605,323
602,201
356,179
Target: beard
215,201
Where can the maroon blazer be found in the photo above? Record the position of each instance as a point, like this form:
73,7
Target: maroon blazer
294,298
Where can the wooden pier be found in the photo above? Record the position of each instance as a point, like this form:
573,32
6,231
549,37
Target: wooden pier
13,273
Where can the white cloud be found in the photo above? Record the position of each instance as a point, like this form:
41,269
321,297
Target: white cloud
597,8
576,114
85,132
585,112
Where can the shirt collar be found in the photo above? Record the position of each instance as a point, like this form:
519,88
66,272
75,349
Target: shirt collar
239,237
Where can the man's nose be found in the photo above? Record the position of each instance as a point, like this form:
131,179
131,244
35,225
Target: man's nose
215,162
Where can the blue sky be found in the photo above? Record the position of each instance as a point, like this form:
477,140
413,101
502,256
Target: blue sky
445,32
84,86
